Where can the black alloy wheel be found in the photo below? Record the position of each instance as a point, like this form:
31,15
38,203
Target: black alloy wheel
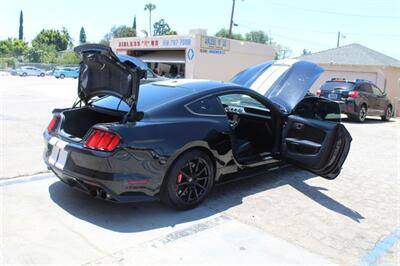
362,114
388,113
192,180
188,181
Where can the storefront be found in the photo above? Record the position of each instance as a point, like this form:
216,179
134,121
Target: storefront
194,55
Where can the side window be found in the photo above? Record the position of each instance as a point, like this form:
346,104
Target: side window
150,74
242,100
365,87
376,91
207,106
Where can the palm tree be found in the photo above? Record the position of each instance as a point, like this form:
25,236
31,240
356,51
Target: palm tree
150,7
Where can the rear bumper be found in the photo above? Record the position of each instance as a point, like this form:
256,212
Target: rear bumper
348,107
118,176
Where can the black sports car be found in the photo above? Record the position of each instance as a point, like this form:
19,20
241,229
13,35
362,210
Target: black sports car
175,139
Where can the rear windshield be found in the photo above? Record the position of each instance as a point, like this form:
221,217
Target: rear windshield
337,86
150,96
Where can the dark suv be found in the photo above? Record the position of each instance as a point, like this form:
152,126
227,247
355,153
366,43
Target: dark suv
357,98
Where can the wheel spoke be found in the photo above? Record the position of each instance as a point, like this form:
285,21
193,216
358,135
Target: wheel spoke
201,171
195,192
190,168
201,186
183,191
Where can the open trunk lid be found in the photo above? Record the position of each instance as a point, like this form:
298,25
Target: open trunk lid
103,73
284,82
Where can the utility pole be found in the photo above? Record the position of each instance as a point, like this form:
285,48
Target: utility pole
231,24
338,39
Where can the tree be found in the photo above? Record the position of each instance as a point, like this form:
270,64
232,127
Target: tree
82,36
42,54
46,38
281,51
161,28
224,33
134,25
21,26
118,32
13,47
257,36
306,52
172,32
150,7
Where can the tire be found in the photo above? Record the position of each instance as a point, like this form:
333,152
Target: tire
62,76
361,114
188,181
24,74
42,75
388,113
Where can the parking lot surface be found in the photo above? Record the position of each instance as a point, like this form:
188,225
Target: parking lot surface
284,217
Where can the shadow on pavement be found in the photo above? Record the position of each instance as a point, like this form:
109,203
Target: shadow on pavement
145,216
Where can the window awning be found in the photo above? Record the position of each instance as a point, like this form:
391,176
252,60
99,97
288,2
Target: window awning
174,57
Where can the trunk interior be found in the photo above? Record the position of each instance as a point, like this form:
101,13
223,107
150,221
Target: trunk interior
78,121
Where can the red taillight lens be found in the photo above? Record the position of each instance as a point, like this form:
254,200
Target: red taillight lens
102,140
353,94
318,93
52,125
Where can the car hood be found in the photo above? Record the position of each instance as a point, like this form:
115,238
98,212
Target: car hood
103,73
284,82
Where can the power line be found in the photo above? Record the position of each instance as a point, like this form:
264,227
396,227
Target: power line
270,26
335,13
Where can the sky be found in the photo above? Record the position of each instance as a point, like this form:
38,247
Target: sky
307,24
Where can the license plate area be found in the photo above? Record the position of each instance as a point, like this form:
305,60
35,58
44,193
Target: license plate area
333,96
59,155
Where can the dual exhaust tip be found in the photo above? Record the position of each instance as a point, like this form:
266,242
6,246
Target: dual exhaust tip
99,193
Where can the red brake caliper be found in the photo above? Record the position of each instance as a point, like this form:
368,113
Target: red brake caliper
179,178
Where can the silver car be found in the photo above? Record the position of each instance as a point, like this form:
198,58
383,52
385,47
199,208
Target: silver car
29,71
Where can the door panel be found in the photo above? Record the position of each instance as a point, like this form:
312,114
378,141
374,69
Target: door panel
314,143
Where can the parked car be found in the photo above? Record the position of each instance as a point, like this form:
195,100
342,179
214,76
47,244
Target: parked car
28,71
358,99
151,77
66,72
173,140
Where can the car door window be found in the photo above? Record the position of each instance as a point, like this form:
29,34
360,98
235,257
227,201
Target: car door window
241,100
365,87
150,74
376,91
207,106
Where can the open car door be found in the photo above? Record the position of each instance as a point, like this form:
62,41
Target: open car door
314,139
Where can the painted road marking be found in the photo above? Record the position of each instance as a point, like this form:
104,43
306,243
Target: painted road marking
381,248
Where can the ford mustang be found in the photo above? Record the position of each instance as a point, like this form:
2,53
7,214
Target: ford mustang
173,140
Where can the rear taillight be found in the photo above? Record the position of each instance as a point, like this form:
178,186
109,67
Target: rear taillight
318,93
353,94
52,125
102,140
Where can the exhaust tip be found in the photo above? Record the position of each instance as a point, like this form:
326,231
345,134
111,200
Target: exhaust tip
102,194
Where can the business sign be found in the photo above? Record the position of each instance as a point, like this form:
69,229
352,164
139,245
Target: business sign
154,43
214,43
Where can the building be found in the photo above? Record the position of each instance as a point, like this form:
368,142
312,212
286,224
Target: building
195,55
355,61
